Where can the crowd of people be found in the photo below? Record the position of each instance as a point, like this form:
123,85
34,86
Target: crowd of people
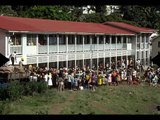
85,78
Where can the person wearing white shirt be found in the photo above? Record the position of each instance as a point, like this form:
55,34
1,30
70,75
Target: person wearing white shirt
13,57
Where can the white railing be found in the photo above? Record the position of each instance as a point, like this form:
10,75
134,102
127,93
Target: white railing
71,48
42,49
79,48
17,48
32,59
53,48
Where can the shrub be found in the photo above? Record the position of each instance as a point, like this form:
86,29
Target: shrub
31,88
14,90
4,107
11,90
42,87
3,91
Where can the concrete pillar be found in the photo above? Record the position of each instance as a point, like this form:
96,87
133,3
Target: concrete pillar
136,49
48,51
24,45
127,52
83,50
75,50
144,53
7,46
110,42
140,52
97,52
104,42
57,51
67,51
37,46
122,48
116,52
91,52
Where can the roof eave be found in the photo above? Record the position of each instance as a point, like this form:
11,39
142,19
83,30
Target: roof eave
79,33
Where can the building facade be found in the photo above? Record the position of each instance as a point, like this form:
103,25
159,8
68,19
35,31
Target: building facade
50,43
155,46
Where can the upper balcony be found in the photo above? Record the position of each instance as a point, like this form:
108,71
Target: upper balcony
42,49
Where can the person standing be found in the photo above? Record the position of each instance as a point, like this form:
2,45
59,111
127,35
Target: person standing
50,80
13,57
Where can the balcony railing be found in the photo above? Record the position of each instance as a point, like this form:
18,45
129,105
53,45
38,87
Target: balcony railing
32,59
17,48
79,48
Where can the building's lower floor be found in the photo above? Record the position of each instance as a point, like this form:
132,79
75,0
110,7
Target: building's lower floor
81,59
92,63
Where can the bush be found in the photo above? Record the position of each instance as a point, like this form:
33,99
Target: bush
4,107
31,88
11,91
3,91
14,90
42,87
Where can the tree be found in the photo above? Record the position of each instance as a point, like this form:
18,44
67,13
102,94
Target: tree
145,16
7,10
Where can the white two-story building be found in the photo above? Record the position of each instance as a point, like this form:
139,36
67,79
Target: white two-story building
54,43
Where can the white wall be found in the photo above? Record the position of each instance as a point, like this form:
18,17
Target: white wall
31,50
155,48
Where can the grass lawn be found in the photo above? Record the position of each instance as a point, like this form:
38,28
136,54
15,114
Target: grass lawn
122,99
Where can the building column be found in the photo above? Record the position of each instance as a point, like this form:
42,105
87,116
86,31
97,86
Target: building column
97,52
57,51
135,59
149,51
75,50
110,42
24,45
37,46
48,51
7,46
116,53
67,51
140,52
127,52
104,41
144,53
122,48
91,52
83,50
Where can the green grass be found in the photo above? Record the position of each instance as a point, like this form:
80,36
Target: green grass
38,104
122,99
116,99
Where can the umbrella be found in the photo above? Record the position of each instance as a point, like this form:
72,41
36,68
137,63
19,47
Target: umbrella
3,60
156,60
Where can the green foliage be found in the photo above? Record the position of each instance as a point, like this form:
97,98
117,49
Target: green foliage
11,91
31,88
4,107
15,90
7,10
145,16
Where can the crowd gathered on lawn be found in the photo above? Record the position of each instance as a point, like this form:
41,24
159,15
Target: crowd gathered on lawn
86,78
